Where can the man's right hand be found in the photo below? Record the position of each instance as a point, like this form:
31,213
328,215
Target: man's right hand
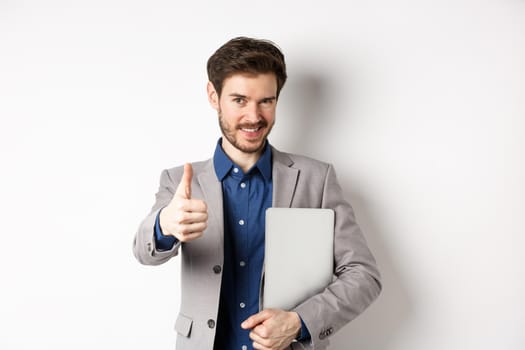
184,218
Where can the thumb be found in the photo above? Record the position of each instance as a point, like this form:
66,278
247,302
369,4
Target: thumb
184,189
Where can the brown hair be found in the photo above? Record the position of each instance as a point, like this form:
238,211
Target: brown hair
246,55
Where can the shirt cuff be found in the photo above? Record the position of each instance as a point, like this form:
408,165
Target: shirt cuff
162,242
305,334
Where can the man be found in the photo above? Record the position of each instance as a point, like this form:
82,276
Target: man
214,211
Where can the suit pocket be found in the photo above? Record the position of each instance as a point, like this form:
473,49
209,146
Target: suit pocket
183,325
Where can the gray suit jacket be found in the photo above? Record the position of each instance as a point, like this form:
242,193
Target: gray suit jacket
297,182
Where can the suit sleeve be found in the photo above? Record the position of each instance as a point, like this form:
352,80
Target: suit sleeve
356,283
144,244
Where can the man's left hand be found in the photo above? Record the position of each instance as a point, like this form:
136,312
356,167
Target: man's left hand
273,329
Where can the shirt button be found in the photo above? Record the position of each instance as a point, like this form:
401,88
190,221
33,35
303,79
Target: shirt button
242,264
217,269
211,323
243,185
241,222
242,305
235,170
244,347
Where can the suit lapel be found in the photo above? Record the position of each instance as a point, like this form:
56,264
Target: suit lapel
284,179
212,190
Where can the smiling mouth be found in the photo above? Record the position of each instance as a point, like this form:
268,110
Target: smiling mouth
251,129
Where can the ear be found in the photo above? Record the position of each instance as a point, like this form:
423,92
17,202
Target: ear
213,97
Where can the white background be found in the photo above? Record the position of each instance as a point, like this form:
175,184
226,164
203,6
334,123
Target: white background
418,104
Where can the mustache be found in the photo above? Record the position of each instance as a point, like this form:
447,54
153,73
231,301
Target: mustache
259,124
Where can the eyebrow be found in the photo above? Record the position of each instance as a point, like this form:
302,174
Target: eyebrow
271,98
236,95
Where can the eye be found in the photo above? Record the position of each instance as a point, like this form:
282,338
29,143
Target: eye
239,100
267,102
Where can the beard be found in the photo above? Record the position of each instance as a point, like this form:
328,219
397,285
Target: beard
231,133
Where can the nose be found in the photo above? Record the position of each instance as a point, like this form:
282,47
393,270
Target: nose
252,112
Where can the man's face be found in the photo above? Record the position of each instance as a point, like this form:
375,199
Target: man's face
246,110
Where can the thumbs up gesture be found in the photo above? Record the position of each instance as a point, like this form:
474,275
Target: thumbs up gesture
184,218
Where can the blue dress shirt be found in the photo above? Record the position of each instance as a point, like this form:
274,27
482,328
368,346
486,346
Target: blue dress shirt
246,196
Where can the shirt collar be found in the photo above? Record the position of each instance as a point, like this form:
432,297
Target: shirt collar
223,164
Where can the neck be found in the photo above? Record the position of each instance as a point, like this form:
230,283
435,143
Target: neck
243,159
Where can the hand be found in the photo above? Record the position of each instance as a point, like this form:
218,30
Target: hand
184,218
273,329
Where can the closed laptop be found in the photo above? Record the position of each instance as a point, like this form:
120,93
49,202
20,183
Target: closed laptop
299,255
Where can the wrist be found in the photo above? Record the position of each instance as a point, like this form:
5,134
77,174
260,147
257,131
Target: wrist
296,324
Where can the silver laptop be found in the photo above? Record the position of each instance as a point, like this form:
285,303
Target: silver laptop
299,255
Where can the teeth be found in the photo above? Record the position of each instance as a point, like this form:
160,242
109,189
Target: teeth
250,130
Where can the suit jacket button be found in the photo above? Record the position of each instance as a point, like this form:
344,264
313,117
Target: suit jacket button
211,323
217,269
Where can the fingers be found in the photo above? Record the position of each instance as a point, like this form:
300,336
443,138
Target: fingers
187,230
184,188
264,340
259,342
273,328
186,237
256,319
191,205
260,335
184,229
186,217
